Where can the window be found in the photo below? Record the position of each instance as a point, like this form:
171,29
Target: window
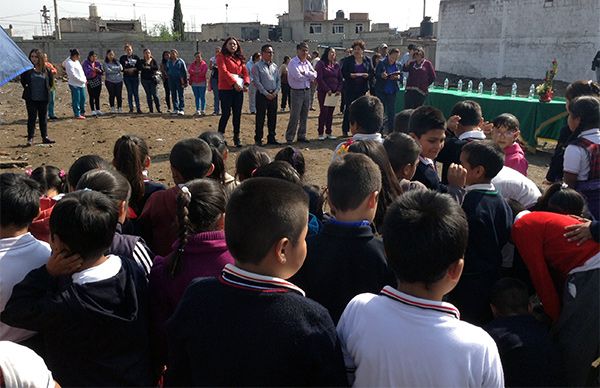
548,3
358,28
471,8
315,28
338,28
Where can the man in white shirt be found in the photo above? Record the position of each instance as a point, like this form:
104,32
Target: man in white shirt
300,76
407,336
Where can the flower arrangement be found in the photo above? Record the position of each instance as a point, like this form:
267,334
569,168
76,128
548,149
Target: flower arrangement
545,89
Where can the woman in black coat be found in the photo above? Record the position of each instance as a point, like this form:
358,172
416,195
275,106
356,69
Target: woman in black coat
37,84
358,72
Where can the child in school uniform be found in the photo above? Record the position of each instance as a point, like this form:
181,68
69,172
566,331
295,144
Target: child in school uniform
346,259
506,133
190,159
407,336
251,327
200,251
248,160
366,119
490,219
427,126
403,152
89,307
566,277
464,125
529,356
582,155
217,140
20,252
52,185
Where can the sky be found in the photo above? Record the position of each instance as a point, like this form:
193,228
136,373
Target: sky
24,15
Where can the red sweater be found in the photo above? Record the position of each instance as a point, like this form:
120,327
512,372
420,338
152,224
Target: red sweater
229,66
539,237
158,221
40,227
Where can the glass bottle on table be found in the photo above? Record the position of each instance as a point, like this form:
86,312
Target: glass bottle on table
480,88
460,85
513,90
446,83
494,89
470,87
531,92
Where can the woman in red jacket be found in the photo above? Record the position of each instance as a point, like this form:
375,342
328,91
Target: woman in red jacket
233,82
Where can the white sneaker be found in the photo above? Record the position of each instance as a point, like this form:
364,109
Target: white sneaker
113,110
198,113
202,113
321,137
180,113
120,110
99,112
331,137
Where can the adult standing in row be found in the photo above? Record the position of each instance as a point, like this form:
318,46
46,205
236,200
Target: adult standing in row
313,86
251,88
357,71
76,80
285,86
52,70
329,81
37,84
113,81
387,75
265,75
198,70
233,82
166,56
300,75
214,82
177,73
420,75
131,77
93,73
148,68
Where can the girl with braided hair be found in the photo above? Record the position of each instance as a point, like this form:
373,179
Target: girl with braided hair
200,251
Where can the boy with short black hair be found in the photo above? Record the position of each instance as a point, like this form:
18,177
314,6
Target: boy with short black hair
401,120
403,152
250,327
346,259
529,356
407,336
366,119
190,159
427,126
20,252
90,308
490,220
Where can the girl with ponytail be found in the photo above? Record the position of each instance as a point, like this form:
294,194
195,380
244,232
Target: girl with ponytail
200,251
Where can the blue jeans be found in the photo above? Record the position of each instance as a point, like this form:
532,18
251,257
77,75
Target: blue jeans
133,91
176,94
51,103
78,100
200,97
214,84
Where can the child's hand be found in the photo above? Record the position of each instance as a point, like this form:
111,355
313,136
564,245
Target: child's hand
63,263
452,122
457,175
579,233
487,127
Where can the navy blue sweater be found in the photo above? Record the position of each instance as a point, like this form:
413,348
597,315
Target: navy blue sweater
342,261
227,332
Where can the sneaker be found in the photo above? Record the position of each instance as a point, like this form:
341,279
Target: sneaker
273,142
139,111
113,110
130,110
282,110
80,117
120,110
202,113
180,113
52,118
94,113
237,142
198,113
303,140
29,142
169,110
258,143
47,140
216,113
174,113
321,137
99,112
159,111
331,137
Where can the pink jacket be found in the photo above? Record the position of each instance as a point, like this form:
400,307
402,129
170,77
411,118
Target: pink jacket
515,158
197,72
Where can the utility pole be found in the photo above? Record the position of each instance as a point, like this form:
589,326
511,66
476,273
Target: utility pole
56,23
424,3
134,18
226,20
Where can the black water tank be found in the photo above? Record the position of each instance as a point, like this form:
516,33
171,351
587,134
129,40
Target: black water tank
339,15
426,27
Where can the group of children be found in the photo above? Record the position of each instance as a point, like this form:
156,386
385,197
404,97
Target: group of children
407,279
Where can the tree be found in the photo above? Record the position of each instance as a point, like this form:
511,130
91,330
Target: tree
178,24
162,32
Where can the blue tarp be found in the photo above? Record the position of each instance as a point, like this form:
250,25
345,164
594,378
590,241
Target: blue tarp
13,61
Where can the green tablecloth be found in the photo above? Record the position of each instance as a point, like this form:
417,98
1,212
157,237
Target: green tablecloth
537,119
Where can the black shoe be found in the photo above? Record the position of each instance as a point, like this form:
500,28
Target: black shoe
159,112
289,142
52,118
237,143
47,140
130,110
273,142
303,140
258,143
139,111
29,142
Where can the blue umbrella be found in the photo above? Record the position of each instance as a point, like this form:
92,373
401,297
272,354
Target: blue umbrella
13,61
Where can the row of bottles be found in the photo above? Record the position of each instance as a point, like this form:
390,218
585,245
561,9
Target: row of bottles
513,91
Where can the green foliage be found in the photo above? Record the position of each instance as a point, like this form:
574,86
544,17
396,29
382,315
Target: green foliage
163,33
178,24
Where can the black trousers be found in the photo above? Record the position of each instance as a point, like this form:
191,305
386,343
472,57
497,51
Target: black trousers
94,94
167,93
413,99
268,107
231,101
285,95
115,91
37,109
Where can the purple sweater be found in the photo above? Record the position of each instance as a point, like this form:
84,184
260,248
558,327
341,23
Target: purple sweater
205,255
92,72
329,78
419,77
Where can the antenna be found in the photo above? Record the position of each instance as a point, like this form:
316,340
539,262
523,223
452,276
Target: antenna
226,19
134,11
45,21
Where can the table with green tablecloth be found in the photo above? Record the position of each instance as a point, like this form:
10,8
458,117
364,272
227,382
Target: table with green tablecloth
537,119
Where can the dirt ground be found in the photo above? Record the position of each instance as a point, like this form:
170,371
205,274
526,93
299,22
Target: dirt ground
75,138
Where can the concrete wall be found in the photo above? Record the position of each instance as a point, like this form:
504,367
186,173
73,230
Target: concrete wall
518,38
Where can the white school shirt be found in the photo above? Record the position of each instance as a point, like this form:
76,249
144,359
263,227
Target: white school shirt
511,184
577,159
109,268
75,74
18,256
397,340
